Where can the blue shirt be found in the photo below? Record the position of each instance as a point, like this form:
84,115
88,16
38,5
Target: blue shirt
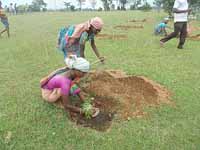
160,26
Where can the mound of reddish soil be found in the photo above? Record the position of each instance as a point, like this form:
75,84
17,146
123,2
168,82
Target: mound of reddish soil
113,37
127,27
127,96
119,96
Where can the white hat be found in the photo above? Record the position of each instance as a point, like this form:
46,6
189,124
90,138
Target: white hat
78,63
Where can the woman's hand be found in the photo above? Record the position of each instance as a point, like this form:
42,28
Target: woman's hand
102,59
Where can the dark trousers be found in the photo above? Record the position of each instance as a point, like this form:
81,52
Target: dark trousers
179,27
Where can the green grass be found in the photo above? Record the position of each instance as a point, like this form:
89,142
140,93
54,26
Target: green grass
34,124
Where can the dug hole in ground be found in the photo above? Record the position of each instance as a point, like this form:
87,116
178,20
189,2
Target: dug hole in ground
119,97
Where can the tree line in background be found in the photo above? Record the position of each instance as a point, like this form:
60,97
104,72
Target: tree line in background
40,5
167,5
114,4
35,6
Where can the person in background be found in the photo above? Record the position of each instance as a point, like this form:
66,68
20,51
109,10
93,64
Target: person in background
11,10
72,39
4,21
160,29
15,8
181,11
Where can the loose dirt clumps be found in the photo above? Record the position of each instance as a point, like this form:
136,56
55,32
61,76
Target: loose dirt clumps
134,20
191,30
126,96
120,97
113,37
127,27
195,37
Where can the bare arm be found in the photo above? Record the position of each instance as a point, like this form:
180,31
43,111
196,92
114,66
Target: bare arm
94,48
68,107
82,50
81,97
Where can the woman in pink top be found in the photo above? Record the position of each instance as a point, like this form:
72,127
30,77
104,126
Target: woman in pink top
60,85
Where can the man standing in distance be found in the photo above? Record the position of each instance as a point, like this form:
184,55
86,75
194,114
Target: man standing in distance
180,10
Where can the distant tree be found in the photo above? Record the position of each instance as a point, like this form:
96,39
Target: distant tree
106,4
99,9
146,6
37,5
23,8
158,3
167,5
135,4
195,2
44,9
67,5
80,3
117,4
123,3
195,5
93,3
0,5
113,6
72,8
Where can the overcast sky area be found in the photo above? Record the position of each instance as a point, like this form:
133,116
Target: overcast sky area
52,4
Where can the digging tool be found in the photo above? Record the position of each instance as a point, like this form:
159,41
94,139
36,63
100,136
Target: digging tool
97,61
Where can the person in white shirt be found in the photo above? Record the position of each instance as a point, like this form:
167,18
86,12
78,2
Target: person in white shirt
11,10
180,10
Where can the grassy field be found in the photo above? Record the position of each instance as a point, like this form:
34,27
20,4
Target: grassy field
27,122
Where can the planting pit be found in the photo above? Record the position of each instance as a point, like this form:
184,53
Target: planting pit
112,37
127,27
134,20
119,97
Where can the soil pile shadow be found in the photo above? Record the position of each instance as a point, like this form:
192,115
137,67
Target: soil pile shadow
134,20
112,37
119,97
127,27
